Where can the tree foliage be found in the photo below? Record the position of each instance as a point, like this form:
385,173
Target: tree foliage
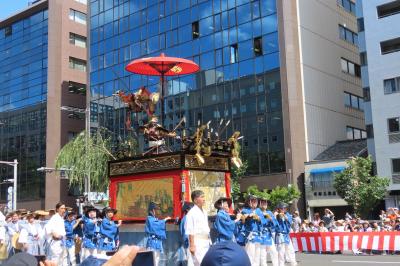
358,187
86,155
277,195
237,174
284,194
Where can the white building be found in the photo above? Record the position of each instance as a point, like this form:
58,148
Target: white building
379,36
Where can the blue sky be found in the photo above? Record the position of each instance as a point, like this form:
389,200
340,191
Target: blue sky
10,7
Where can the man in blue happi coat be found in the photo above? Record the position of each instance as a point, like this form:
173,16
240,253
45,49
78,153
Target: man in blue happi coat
70,224
252,227
155,230
109,232
223,224
282,238
90,233
268,226
240,234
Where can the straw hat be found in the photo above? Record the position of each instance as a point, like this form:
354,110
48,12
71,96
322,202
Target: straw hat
41,212
219,202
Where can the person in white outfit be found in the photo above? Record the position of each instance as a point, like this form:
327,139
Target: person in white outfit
30,236
197,229
55,231
3,238
13,229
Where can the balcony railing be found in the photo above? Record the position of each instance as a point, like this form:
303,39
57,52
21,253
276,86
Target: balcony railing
396,178
394,138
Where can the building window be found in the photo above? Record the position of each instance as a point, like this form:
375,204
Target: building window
388,9
348,5
350,67
82,1
360,24
370,131
348,35
71,135
353,101
195,30
257,46
393,125
78,64
77,16
7,31
77,40
363,59
234,53
396,166
391,85
366,94
77,88
390,46
355,133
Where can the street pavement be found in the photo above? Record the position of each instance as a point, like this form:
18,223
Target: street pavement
346,260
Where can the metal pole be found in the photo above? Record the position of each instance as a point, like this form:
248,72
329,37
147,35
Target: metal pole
87,113
15,185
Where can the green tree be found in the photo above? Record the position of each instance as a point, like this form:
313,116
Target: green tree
278,194
237,174
283,194
86,155
358,187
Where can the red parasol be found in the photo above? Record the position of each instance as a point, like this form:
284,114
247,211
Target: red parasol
162,66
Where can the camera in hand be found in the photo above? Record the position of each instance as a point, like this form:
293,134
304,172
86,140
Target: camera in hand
145,258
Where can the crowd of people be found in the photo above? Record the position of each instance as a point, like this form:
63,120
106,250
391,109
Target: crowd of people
389,221
254,229
65,238
59,235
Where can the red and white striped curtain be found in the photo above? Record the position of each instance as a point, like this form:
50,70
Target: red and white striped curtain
335,241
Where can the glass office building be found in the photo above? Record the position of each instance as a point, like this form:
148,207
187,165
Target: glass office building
234,42
42,77
23,93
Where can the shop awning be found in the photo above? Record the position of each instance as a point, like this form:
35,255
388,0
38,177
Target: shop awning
327,203
327,170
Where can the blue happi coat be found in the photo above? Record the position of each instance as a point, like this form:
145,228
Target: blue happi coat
283,229
69,233
268,227
185,238
240,234
109,235
252,228
225,226
90,232
155,233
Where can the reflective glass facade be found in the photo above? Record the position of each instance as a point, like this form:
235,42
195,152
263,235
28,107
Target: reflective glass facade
234,42
23,91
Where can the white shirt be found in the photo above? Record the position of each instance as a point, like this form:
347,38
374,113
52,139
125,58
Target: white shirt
26,230
197,222
55,225
13,228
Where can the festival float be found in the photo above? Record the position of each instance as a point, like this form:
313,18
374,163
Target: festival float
161,173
